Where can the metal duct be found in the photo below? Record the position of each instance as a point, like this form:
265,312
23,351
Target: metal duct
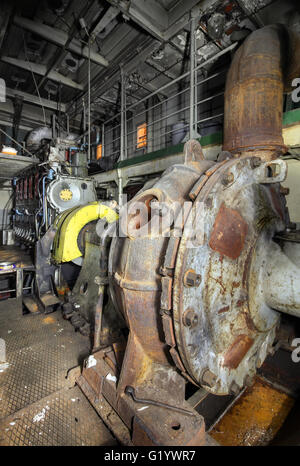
35,137
262,68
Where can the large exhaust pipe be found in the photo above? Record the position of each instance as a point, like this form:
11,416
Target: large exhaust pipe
262,69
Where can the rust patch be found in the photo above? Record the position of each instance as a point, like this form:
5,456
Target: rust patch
48,320
241,303
248,319
247,268
229,233
237,351
224,309
276,201
255,418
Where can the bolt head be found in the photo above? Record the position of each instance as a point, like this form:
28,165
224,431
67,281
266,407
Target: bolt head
97,280
234,388
284,191
255,162
208,378
191,278
190,318
248,381
227,179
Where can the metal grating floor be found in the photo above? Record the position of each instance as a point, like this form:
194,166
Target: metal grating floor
40,350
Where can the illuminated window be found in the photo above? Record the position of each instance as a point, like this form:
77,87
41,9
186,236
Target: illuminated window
99,151
141,136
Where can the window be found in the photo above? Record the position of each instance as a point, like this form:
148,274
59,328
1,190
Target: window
99,151
141,136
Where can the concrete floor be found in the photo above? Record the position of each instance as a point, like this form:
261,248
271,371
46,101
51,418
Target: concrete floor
39,404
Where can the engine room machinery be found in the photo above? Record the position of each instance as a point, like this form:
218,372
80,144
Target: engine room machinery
188,282
203,295
59,182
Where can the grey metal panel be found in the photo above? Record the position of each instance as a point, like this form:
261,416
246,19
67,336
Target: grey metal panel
152,166
11,165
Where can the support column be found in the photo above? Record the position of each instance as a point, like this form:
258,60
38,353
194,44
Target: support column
123,135
193,123
103,138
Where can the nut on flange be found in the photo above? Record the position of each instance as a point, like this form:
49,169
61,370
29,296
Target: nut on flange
227,179
255,162
191,278
190,318
284,191
208,378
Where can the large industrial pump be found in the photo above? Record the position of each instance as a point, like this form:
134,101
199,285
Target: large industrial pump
187,283
202,294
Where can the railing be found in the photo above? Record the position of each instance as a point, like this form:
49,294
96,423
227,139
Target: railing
174,118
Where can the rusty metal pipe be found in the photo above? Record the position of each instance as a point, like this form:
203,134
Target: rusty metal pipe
262,68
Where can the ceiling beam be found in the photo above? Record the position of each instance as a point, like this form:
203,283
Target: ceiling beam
60,38
31,115
106,83
62,53
9,124
156,20
35,100
151,24
109,16
41,70
183,8
34,115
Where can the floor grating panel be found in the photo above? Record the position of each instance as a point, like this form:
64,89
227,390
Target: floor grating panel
40,350
65,418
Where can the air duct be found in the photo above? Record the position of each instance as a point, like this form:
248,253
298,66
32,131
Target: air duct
35,137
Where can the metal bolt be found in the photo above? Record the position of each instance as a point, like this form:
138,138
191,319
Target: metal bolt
227,178
248,380
255,162
189,318
234,388
97,280
284,191
208,378
191,278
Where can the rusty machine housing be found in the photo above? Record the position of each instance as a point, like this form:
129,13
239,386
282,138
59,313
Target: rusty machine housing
202,295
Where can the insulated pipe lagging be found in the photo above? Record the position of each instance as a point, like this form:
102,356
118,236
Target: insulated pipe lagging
262,68
35,137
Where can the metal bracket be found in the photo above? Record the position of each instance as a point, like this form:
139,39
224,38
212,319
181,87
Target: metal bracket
274,171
